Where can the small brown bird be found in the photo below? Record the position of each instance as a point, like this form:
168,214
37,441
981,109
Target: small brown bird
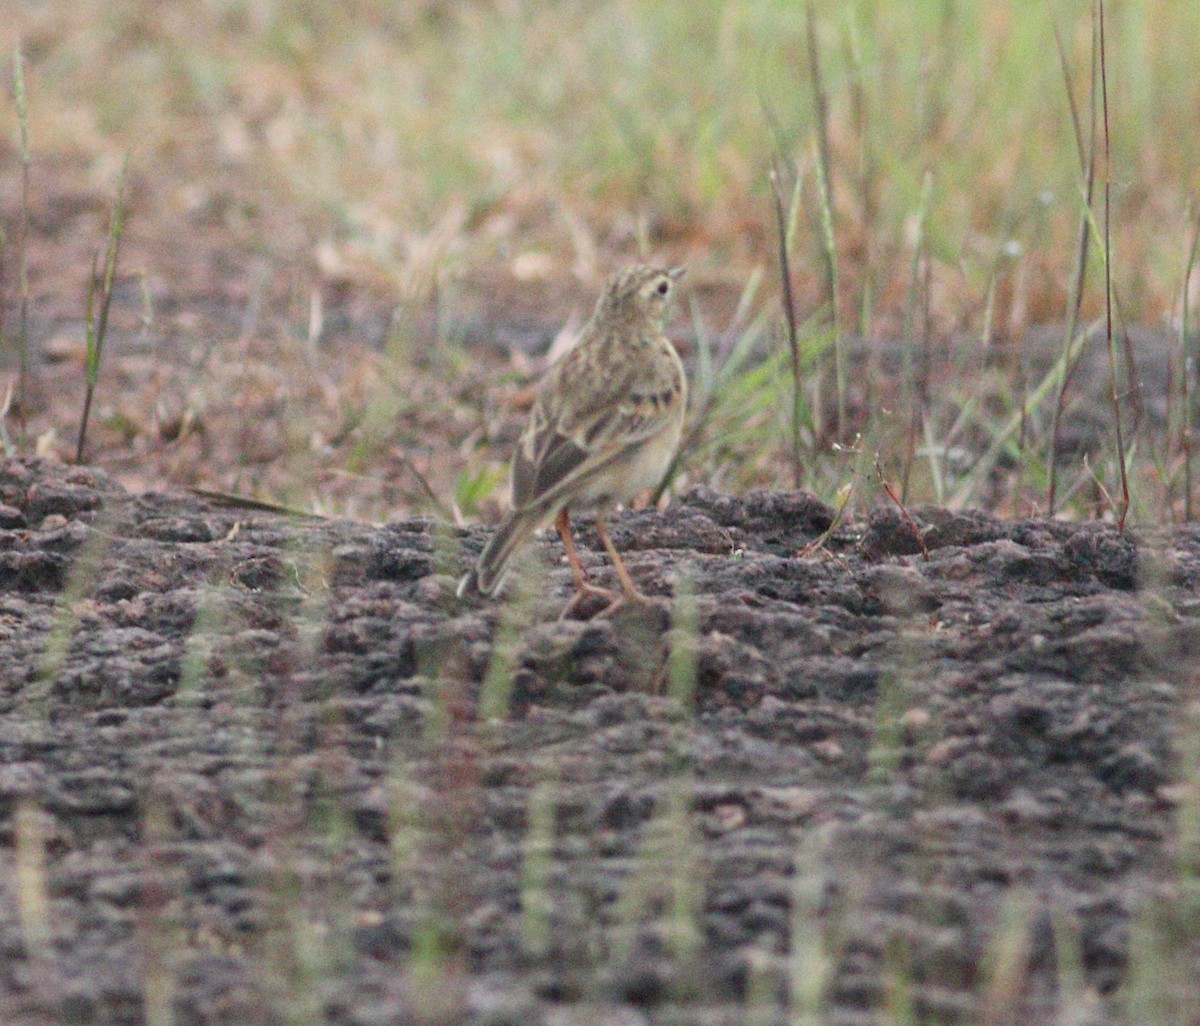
604,428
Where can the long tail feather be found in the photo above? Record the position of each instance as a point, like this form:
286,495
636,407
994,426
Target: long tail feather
487,573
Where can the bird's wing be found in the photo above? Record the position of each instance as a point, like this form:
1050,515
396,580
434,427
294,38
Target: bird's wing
583,421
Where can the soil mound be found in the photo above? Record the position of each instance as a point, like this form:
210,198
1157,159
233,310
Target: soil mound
255,767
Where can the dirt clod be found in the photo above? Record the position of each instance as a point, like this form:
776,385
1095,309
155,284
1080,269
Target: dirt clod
264,764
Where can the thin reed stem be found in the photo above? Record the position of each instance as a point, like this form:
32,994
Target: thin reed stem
1108,285
1187,370
789,313
97,320
828,235
22,103
1087,166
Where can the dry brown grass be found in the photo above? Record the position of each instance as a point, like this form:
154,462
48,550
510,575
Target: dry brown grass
297,167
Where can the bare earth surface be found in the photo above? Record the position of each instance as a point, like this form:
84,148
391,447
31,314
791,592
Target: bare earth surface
259,769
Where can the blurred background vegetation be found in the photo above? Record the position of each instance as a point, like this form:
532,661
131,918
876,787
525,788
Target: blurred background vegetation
504,155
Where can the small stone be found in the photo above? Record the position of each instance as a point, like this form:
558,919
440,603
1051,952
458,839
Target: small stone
729,816
829,750
799,801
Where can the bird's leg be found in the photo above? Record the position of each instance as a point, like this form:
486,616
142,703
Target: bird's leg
630,591
583,585
562,525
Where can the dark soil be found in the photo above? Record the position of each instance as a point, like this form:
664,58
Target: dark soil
256,769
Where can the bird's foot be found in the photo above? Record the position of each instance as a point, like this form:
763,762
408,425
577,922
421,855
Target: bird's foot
591,601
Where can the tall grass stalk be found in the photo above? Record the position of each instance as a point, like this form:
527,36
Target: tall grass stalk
517,615
1108,284
682,659
789,313
866,168
84,575
1087,168
684,914
908,401
828,236
30,879
162,939
97,319
1187,812
537,903
1187,369
22,103
898,501
664,890
1074,998
761,1004
899,982
6,443
934,452
1007,963
809,959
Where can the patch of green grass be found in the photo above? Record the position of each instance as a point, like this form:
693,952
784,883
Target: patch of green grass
474,487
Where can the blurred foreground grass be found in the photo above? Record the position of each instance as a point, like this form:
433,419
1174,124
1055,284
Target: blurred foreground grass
412,149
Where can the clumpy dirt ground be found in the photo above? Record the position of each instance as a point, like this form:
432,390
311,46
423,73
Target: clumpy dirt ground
260,769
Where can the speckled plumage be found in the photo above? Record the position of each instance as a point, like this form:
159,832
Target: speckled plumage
606,423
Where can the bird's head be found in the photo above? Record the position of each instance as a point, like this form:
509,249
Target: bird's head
639,292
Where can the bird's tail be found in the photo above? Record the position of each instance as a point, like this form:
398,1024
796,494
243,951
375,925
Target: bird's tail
512,533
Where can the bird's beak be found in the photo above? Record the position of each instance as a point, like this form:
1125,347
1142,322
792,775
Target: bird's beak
675,273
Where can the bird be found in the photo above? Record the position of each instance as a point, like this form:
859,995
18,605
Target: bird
605,427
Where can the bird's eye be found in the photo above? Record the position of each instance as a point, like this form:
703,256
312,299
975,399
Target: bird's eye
663,288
